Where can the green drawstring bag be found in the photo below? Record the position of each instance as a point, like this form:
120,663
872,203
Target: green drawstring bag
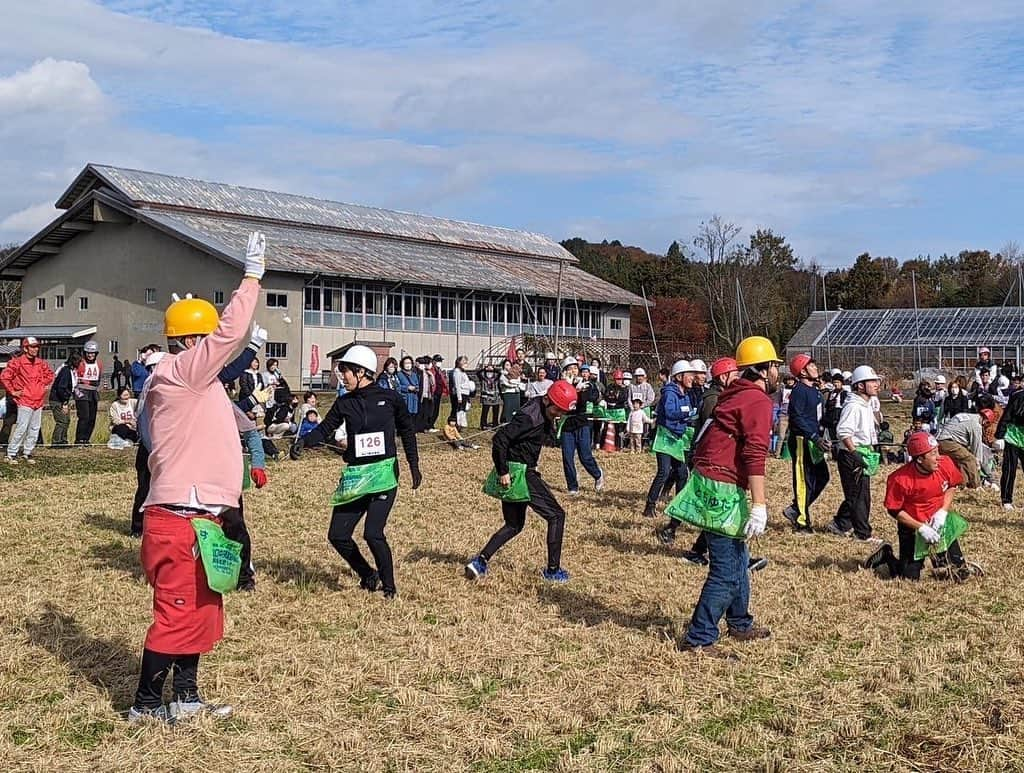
784,454
1015,435
816,454
246,472
667,442
950,532
222,557
358,480
872,460
517,490
711,505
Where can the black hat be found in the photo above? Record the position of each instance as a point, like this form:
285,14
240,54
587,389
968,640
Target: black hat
438,358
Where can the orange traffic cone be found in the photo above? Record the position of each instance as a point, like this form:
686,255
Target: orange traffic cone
609,438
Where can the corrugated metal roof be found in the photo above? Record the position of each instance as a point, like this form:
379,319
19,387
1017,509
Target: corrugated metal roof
48,331
808,332
141,187
332,253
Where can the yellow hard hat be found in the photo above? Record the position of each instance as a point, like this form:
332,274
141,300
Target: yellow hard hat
755,350
190,316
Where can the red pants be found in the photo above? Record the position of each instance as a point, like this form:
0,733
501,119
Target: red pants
188,617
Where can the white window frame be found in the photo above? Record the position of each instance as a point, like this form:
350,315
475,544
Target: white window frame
150,296
275,353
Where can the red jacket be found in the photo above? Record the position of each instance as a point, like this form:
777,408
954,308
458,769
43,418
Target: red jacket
735,446
32,379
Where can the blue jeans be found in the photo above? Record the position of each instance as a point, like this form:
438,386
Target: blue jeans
726,591
670,470
573,443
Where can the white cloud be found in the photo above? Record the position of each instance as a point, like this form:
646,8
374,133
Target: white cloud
30,219
50,85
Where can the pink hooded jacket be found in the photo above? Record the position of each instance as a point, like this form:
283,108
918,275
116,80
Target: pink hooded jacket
191,421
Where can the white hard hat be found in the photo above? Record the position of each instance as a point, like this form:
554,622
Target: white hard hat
863,373
570,361
91,347
627,376
698,366
639,372
940,379
847,375
549,355
681,366
360,356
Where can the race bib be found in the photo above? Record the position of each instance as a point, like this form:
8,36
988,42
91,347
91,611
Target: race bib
369,444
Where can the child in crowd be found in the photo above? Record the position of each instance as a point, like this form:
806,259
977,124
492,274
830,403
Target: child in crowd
309,423
887,444
916,426
454,438
635,426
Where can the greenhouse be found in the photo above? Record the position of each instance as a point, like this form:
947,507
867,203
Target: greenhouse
902,341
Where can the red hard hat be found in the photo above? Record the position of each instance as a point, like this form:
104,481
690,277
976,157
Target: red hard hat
29,341
616,374
988,415
723,365
920,443
562,395
799,362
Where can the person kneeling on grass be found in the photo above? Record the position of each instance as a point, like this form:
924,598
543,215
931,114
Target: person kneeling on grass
520,442
918,495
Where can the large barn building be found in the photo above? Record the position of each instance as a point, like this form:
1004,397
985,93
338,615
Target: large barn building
336,273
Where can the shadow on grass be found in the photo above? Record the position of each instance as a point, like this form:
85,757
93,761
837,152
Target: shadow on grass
576,607
850,564
293,571
104,521
629,547
119,557
437,557
109,664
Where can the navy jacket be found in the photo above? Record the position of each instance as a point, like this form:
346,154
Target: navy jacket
804,409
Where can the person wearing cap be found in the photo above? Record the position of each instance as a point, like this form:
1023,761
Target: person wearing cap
985,364
962,439
919,495
372,417
87,392
61,394
1010,429
700,375
440,383
520,441
676,414
576,430
26,378
855,435
732,452
810,471
195,462
939,397
833,406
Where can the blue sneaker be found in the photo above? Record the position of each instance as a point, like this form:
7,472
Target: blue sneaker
476,569
559,575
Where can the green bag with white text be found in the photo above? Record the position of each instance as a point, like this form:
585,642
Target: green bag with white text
222,557
358,480
668,442
711,505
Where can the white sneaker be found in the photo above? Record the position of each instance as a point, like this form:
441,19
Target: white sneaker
1008,507
11,460
185,709
160,714
575,493
599,483
29,460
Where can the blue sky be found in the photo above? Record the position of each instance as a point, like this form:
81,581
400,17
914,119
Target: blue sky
879,126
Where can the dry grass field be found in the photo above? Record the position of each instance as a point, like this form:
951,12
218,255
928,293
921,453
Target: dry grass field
510,674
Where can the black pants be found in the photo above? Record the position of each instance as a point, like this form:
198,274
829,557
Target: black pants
546,506
855,511
86,410
155,666
455,407
510,402
670,470
1012,456
234,528
142,487
906,566
345,518
435,410
10,419
425,416
809,478
489,410
125,432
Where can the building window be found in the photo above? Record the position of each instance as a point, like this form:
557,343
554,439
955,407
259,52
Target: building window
112,347
40,304
277,301
150,295
277,350
218,297
615,324
83,303
58,301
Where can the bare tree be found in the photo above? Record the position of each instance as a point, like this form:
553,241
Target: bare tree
719,279
715,237
10,295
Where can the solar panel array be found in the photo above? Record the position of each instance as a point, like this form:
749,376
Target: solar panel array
991,326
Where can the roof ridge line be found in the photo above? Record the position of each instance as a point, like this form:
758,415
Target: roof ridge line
142,204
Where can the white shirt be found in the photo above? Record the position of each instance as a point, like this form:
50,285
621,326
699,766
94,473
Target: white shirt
857,421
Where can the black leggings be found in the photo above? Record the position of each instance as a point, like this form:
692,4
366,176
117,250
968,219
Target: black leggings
235,528
125,432
155,666
906,566
546,506
493,411
142,489
344,518
86,410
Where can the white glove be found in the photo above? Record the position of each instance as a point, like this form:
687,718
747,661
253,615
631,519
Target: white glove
255,264
603,404
938,520
928,534
259,335
757,522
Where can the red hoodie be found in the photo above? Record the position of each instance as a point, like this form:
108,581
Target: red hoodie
735,446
